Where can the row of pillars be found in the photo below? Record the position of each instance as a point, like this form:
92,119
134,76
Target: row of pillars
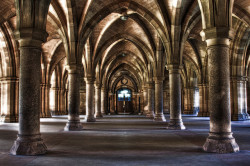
154,99
238,98
29,141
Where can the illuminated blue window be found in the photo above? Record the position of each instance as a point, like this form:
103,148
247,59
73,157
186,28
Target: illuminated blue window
124,94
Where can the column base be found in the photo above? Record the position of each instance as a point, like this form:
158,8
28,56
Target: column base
73,126
47,116
176,124
159,118
188,112
150,116
220,143
28,145
98,115
203,114
90,119
240,117
8,119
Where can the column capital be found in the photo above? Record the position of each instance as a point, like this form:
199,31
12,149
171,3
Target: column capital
150,85
144,87
73,68
174,68
9,79
30,37
238,78
89,80
217,32
217,36
44,85
98,85
159,79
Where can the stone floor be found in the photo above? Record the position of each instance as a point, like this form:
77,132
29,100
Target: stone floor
125,140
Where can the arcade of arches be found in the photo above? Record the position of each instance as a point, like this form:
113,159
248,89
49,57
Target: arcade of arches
124,57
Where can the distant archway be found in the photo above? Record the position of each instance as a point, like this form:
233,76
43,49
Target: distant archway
124,101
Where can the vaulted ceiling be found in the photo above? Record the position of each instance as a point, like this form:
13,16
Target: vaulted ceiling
136,44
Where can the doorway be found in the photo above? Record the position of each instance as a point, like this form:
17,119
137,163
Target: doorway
124,101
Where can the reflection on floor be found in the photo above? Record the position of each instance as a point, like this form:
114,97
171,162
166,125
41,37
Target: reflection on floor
125,140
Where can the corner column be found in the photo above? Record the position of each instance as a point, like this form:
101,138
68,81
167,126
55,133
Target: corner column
159,116
73,123
175,98
220,139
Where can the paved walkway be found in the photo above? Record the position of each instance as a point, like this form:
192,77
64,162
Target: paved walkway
125,140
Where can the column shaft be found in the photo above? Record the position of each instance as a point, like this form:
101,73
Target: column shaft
238,99
220,139
90,99
203,100
175,98
29,140
45,111
98,113
151,104
9,100
159,116
145,100
103,101
73,123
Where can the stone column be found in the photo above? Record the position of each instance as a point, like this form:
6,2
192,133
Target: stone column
189,104
45,111
73,123
159,116
29,141
55,108
90,99
175,98
9,100
151,104
62,101
98,113
203,100
238,99
145,100
220,139
187,101
103,101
